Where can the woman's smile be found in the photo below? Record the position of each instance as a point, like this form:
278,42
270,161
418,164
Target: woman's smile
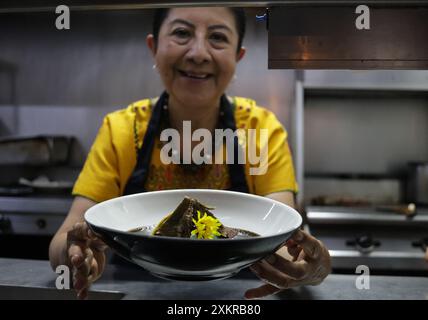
195,77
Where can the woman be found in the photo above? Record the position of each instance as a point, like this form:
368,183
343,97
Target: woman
196,51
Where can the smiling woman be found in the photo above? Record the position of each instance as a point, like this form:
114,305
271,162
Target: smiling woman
196,51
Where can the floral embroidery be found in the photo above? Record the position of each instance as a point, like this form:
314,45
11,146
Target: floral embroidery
163,177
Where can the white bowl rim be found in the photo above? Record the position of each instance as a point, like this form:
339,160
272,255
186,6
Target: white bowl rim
160,238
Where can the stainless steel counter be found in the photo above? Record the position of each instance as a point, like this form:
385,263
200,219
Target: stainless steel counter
136,283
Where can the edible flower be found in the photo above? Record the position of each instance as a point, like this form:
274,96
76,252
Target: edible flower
206,227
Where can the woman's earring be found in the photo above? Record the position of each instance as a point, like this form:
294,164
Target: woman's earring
154,66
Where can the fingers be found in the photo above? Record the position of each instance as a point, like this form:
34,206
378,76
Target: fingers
82,294
293,249
84,249
83,283
79,232
311,246
98,245
263,291
88,272
84,275
273,276
279,273
81,272
76,255
295,270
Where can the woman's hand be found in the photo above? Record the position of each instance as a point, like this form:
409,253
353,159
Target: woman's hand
309,266
86,257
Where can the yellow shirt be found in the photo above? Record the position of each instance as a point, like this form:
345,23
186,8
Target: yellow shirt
113,156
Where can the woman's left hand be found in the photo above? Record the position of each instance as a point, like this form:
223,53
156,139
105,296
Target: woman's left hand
309,266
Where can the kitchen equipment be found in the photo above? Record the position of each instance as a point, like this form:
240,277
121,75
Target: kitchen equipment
32,215
302,37
386,243
407,210
43,184
417,183
15,190
37,150
193,259
345,201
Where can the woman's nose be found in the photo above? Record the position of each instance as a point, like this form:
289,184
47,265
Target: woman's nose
199,52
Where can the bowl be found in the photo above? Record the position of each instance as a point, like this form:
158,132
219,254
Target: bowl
189,259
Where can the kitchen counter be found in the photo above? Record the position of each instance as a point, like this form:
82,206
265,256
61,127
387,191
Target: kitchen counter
136,283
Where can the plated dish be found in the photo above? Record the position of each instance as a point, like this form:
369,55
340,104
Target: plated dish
199,256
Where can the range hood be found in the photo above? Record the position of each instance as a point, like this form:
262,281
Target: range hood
327,37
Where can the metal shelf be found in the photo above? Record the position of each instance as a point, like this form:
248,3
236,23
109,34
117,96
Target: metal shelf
347,216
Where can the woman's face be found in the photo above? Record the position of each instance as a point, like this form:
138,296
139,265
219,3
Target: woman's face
196,53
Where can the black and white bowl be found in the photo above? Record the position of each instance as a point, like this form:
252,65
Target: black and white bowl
193,259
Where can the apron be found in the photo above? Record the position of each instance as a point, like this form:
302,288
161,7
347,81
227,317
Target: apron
139,176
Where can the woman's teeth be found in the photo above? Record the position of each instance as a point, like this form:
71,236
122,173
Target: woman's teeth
194,75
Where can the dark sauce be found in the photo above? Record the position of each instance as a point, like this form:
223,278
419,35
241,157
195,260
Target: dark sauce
148,231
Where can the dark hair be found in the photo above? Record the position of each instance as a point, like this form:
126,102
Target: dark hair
238,13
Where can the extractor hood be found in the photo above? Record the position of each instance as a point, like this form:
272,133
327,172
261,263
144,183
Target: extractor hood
329,37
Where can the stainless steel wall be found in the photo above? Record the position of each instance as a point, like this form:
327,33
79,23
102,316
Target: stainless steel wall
367,134
363,123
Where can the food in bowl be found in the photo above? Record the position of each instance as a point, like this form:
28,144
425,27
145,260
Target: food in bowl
193,259
192,219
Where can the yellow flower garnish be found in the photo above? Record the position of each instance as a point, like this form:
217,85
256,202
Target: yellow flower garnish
206,227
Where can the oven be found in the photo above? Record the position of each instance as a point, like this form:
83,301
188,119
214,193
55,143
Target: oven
28,223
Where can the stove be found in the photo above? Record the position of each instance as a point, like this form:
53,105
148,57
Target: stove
387,243
32,215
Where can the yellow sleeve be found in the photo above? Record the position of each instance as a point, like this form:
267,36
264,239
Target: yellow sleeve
99,179
279,175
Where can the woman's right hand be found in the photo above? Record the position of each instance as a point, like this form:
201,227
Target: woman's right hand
86,257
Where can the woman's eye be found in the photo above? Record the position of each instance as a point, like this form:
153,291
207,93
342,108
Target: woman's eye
181,33
219,37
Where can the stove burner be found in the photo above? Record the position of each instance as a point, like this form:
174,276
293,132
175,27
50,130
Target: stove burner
364,243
